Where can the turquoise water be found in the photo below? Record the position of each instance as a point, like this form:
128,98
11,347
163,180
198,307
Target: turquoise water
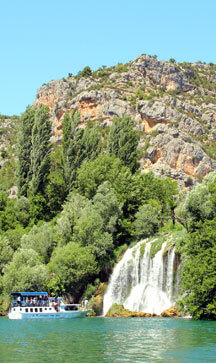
108,339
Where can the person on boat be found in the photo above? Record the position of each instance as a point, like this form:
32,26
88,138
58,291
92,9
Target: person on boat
40,301
59,299
19,300
45,301
30,301
56,306
86,303
34,302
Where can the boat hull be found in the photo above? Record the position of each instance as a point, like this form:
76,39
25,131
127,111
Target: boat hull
48,315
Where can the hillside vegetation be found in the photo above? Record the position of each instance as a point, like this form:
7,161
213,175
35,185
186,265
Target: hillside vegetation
82,201
172,105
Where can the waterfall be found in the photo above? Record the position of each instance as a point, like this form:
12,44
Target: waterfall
142,283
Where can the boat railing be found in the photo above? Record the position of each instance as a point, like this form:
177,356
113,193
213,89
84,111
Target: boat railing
24,303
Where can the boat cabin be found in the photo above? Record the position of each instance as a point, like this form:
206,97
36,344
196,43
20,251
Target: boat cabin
29,299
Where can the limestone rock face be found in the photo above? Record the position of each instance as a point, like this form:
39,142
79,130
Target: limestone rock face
8,151
172,155
173,105
163,73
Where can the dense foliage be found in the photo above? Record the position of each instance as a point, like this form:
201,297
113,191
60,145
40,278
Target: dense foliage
80,203
198,214
40,153
24,150
78,144
123,142
199,271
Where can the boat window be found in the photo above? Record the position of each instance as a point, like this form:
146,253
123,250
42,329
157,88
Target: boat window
36,310
14,309
45,309
26,310
71,307
41,310
31,310
20,309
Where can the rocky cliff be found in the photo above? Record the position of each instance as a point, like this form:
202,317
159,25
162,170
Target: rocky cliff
8,135
173,105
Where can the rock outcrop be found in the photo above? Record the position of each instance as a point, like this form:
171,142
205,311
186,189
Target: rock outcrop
173,105
172,312
8,130
118,311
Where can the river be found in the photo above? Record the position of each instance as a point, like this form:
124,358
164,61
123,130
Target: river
108,340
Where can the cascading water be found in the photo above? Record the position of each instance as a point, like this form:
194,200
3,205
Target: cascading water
142,283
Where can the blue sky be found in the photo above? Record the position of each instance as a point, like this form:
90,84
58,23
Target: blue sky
46,39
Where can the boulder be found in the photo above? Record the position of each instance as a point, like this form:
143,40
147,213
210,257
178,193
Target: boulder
172,312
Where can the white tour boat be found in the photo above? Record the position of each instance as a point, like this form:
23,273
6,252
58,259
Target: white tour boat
37,305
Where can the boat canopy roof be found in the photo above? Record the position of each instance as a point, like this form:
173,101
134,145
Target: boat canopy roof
29,293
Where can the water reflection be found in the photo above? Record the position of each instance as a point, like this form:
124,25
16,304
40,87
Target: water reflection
146,340
106,339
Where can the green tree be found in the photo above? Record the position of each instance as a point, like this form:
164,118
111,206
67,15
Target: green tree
147,220
78,144
22,209
131,190
6,253
69,216
8,218
98,222
92,140
40,155
25,272
55,190
24,172
104,168
3,199
199,271
91,223
123,142
38,208
73,148
14,213
89,231
107,206
147,187
70,268
40,239
14,236
86,72
199,203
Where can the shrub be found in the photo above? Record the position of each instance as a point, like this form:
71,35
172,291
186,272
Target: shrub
120,68
86,72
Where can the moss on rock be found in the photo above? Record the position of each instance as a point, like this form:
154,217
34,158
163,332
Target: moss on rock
96,302
142,249
118,311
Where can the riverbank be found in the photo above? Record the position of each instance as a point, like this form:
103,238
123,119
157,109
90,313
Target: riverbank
118,311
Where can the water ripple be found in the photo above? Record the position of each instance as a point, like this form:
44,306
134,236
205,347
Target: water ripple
108,340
